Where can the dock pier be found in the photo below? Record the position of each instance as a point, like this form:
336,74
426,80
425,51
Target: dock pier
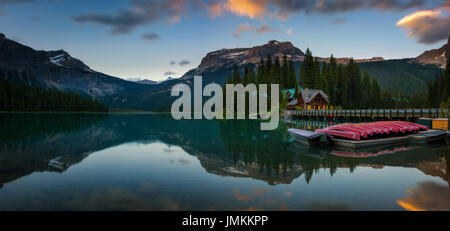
391,114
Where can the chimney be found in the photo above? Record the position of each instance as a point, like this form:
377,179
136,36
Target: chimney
306,93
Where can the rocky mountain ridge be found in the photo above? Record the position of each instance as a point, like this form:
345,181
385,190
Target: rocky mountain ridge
56,70
436,56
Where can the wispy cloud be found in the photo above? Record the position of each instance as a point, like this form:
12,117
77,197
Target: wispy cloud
289,31
265,29
172,62
150,36
169,73
428,26
214,9
242,28
4,3
247,27
141,12
338,21
184,62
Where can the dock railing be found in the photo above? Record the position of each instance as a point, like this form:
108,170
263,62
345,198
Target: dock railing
370,113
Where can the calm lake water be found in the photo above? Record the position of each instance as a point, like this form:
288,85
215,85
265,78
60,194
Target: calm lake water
151,162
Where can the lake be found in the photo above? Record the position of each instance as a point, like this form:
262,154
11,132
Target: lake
51,161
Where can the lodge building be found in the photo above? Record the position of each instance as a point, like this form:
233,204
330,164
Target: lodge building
307,99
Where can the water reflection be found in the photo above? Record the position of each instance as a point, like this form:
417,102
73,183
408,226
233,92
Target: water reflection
32,143
427,196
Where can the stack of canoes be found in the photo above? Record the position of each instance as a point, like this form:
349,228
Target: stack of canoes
367,130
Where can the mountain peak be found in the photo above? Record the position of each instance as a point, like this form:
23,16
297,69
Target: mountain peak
435,56
242,56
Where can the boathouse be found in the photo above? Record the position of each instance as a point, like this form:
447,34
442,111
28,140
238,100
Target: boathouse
307,98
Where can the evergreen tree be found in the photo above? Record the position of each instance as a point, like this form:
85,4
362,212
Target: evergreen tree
246,76
365,91
268,70
331,78
236,75
260,73
284,73
354,94
15,97
276,72
316,77
307,70
375,94
446,82
292,76
431,94
251,74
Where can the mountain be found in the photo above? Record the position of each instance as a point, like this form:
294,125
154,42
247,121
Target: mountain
436,56
226,58
347,60
57,70
406,75
147,82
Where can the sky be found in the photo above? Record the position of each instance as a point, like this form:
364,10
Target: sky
155,39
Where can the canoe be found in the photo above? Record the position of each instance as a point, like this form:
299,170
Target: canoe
364,154
422,127
309,137
381,129
409,128
343,127
369,131
340,133
386,128
430,137
375,130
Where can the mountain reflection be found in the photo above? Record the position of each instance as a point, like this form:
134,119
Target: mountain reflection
54,142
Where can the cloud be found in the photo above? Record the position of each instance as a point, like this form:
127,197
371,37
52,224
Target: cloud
140,13
338,21
282,9
144,12
387,5
150,36
427,196
242,28
169,73
427,26
35,18
184,62
249,8
172,62
332,6
214,9
247,27
265,29
4,3
289,31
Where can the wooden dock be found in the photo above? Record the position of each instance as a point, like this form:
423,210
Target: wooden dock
379,142
403,114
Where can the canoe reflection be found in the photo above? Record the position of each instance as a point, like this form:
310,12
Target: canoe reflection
364,154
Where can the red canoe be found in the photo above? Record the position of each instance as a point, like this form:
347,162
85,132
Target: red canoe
356,131
339,133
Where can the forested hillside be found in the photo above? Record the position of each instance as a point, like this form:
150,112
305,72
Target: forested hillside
15,97
346,85
404,75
